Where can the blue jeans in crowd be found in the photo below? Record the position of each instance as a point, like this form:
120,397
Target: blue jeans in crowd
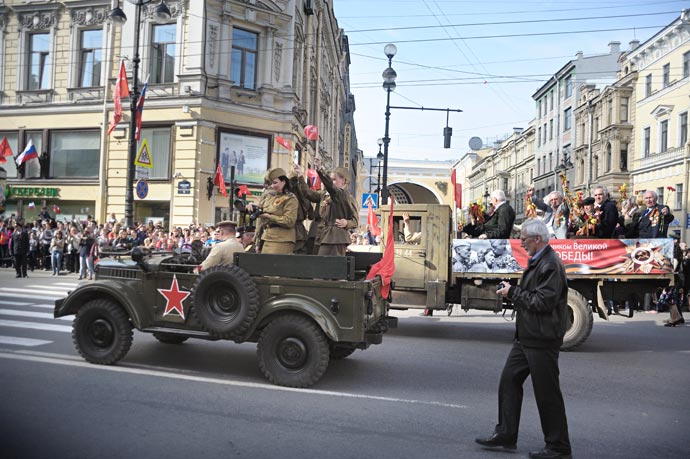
56,261
85,261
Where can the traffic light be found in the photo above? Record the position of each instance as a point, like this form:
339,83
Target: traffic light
447,134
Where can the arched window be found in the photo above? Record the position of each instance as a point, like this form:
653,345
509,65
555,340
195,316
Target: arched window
595,168
581,171
607,164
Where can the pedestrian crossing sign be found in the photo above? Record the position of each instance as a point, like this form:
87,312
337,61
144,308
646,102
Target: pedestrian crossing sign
143,158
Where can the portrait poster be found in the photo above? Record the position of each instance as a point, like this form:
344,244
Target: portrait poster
579,256
249,155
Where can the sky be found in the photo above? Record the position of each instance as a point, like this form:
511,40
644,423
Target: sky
486,58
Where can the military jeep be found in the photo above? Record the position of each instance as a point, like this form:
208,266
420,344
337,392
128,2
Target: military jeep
301,310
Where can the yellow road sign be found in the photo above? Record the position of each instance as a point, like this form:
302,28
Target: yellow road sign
144,158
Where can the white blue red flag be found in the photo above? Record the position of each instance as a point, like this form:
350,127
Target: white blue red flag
140,110
28,153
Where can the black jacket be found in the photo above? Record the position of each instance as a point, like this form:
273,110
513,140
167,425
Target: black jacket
541,302
498,226
20,243
606,229
643,226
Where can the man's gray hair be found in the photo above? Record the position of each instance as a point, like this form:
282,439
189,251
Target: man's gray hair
556,193
605,190
498,195
535,227
653,193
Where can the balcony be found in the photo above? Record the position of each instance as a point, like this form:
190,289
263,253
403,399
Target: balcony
657,159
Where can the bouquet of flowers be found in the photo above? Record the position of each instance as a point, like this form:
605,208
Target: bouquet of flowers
476,211
530,208
588,224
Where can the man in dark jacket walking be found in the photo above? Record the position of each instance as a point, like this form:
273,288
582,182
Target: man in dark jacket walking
20,248
541,303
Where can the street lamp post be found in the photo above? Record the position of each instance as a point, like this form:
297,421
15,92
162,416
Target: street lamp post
379,157
389,77
161,13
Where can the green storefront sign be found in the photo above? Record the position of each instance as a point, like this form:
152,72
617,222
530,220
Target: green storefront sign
32,192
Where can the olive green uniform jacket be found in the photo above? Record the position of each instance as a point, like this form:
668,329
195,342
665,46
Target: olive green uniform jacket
280,224
222,253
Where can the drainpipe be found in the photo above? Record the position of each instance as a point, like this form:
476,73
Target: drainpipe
590,111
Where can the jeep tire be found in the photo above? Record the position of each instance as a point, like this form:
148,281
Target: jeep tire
225,301
102,332
293,351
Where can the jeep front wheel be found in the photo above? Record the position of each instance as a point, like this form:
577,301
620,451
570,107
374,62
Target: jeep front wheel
293,351
102,332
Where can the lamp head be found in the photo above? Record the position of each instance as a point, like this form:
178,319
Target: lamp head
117,16
379,156
379,142
162,13
390,50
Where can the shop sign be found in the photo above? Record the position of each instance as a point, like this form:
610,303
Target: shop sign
184,187
32,192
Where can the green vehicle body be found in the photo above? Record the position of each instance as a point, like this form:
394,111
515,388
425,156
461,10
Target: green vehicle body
326,299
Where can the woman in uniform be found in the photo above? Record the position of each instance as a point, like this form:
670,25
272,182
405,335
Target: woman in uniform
277,222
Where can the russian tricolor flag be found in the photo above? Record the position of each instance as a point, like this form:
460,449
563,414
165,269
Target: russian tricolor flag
28,153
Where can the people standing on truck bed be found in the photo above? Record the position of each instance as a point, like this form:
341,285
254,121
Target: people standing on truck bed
304,211
587,221
498,225
224,252
556,214
337,209
277,222
608,219
541,305
651,221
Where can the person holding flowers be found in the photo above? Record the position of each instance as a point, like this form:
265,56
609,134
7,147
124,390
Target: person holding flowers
652,221
498,225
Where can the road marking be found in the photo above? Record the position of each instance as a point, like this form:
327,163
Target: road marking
65,284
35,315
66,289
13,340
35,326
33,297
47,306
14,303
48,292
225,382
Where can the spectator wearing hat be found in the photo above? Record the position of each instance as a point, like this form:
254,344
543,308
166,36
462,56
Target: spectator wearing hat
278,220
586,222
651,221
338,211
245,235
224,252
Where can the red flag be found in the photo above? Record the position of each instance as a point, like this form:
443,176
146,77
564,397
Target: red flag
284,142
386,266
373,222
457,189
121,90
140,110
313,180
311,132
243,190
5,150
220,181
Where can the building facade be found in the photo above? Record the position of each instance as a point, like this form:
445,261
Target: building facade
223,80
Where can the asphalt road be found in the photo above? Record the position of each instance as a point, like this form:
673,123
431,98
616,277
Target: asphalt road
426,392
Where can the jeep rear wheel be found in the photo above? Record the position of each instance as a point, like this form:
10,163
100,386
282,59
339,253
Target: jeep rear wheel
293,351
170,338
580,321
225,301
102,332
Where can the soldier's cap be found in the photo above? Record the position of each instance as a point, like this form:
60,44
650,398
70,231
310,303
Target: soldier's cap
276,173
227,225
245,229
588,201
674,236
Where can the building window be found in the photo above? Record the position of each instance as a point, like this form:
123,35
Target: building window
90,58
163,52
595,164
648,85
539,136
568,87
538,166
625,102
667,75
624,157
159,143
683,129
244,58
607,159
581,171
550,129
544,132
660,193
663,136
678,204
39,62
646,142
609,112
10,166
74,153
596,128
551,100
550,163
32,168
567,119
686,64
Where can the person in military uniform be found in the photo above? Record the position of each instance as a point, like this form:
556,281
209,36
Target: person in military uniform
337,210
223,253
278,220
304,211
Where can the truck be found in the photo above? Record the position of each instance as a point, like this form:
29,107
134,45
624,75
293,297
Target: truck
302,311
442,272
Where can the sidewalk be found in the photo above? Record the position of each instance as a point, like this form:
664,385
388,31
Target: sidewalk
8,279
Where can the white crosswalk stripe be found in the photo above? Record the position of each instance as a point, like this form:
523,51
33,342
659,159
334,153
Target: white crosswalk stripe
35,326
37,315
46,292
29,342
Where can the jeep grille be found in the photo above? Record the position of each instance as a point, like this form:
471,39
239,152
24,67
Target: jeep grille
117,273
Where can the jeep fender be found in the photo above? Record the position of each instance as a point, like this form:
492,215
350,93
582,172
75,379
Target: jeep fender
123,295
318,312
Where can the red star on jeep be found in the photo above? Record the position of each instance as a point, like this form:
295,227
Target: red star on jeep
174,298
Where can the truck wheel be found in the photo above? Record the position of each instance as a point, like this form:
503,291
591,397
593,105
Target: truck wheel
341,352
580,321
170,338
292,351
102,332
225,301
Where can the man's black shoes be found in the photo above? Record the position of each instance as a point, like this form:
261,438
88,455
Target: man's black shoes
547,453
497,441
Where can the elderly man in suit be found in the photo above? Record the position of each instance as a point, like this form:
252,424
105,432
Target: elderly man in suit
652,221
498,225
